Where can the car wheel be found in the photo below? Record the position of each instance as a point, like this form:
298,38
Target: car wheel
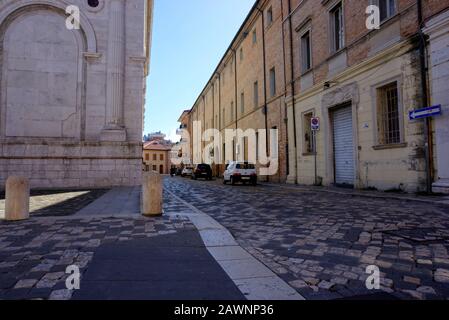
232,181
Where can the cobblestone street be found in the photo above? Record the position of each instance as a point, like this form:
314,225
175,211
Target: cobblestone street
321,243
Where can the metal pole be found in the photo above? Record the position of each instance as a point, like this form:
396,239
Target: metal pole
315,156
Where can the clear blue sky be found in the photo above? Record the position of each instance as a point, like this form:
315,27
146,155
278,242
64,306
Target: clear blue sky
189,39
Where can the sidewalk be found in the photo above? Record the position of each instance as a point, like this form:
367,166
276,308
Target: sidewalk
121,255
434,199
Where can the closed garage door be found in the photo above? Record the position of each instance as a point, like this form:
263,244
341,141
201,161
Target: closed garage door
343,146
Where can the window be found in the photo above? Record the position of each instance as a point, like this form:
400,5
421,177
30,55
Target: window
154,168
337,28
254,37
306,52
154,157
388,121
308,135
256,94
272,82
269,16
147,157
387,9
242,103
161,157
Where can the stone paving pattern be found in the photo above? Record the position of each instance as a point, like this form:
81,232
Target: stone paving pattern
58,203
321,243
34,254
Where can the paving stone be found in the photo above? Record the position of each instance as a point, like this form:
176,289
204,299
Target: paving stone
61,295
25,283
413,280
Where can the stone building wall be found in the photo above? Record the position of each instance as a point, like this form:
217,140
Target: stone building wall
72,100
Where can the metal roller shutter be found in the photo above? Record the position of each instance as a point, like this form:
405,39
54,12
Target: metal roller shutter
343,146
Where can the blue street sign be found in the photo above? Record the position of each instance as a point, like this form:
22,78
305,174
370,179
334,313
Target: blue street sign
425,112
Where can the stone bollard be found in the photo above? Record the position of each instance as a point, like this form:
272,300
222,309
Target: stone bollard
152,194
17,202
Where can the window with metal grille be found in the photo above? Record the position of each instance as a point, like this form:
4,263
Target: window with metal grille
389,129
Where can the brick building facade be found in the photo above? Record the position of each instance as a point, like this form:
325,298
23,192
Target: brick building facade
318,59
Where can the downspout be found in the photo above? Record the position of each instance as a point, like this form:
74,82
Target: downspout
235,103
292,60
425,98
219,117
265,108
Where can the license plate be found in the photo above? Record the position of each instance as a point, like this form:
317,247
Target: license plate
245,178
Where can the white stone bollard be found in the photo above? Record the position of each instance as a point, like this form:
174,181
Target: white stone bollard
17,200
152,194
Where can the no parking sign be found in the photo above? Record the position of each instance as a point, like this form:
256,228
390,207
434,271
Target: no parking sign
315,123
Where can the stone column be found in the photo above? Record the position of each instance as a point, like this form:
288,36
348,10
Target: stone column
438,31
116,57
17,200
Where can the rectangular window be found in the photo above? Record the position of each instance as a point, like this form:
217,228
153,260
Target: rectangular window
147,157
161,157
154,168
256,94
254,37
337,28
388,121
269,16
308,137
387,9
306,52
272,82
154,157
242,103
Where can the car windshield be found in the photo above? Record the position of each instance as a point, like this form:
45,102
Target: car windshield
244,166
203,166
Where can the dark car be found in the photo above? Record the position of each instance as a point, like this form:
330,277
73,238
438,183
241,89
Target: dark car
202,171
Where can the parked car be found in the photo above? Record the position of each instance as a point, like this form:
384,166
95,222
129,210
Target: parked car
179,171
202,171
240,172
187,171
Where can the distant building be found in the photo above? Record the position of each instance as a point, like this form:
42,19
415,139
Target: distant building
156,156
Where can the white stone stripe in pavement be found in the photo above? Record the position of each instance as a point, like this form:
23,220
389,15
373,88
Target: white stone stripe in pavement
252,277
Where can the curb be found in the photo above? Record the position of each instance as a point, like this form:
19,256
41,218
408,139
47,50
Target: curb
255,280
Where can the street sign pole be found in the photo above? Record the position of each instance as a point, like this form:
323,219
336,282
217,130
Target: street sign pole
315,156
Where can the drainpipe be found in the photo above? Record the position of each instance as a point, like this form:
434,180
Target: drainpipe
292,60
265,107
425,98
235,103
